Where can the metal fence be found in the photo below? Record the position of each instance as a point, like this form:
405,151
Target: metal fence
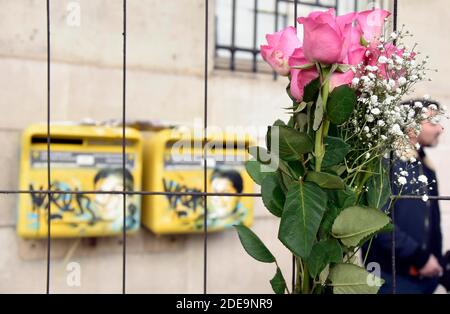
204,194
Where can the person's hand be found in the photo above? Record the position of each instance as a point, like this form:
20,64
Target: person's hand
432,268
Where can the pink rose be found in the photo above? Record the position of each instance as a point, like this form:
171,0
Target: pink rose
355,55
300,78
371,23
338,79
326,38
280,47
355,51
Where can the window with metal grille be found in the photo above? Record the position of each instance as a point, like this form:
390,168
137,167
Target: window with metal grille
240,26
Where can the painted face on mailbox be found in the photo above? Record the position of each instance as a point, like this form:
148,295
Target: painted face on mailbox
221,206
109,206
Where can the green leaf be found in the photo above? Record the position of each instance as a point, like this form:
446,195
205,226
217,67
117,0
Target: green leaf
379,189
278,283
286,181
342,68
340,104
342,198
337,169
261,165
302,213
302,121
311,90
323,253
294,168
325,180
355,223
253,245
337,201
335,151
278,122
327,221
306,66
323,276
253,168
351,279
318,113
363,42
293,144
300,107
290,123
272,194
259,153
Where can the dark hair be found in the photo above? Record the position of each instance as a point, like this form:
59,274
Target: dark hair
232,175
104,173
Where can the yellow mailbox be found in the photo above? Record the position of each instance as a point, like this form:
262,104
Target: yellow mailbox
83,158
173,162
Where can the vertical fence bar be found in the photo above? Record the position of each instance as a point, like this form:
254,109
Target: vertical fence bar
293,255
394,271
205,153
255,34
48,152
124,195
275,30
233,35
295,13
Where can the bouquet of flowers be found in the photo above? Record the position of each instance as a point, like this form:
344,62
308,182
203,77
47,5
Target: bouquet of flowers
324,172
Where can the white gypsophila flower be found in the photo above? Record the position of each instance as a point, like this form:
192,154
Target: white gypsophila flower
396,130
389,100
398,60
402,180
375,111
382,60
378,121
404,173
424,197
422,178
